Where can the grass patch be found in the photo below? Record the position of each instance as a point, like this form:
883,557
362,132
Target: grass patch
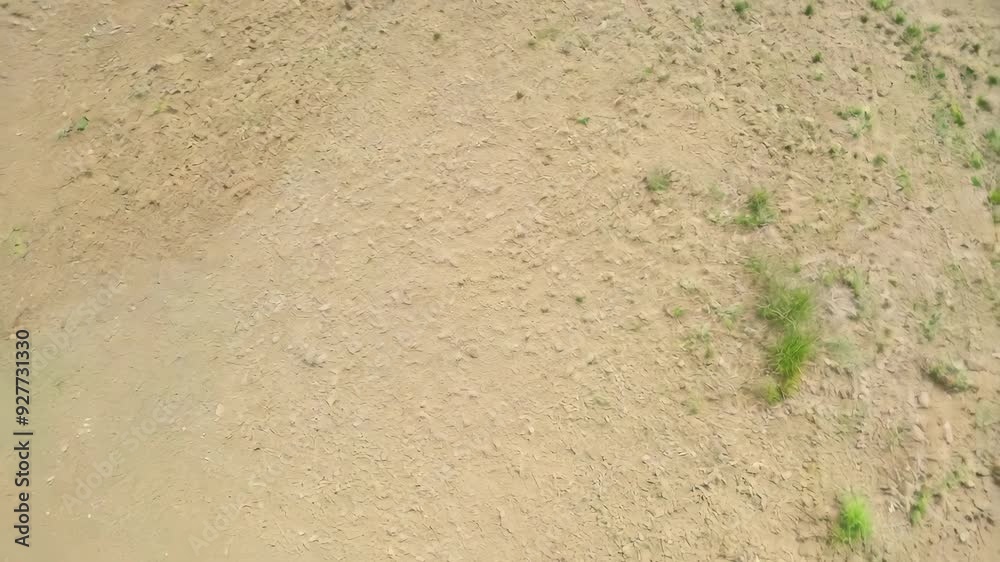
79,126
919,507
984,104
947,376
881,5
899,18
854,523
903,180
788,308
759,210
880,160
913,34
861,119
659,179
993,140
809,11
976,181
976,160
994,197
583,121
741,7
957,117
817,58
992,80
789,356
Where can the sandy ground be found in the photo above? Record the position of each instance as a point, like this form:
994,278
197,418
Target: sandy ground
322,280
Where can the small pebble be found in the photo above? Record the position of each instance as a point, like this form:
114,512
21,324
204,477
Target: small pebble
949,436
924,399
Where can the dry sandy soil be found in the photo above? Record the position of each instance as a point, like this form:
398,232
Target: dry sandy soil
371,280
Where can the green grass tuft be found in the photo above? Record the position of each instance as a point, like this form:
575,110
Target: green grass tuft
759,210
860,117
881,5
786,305
741,7
817,58
899,18
854,524
789,356
992,80
984,104
957,116
947,376
788,308
913,34
660,179
809,11
994,197
903,180
976,181
919,508
976,160
993,140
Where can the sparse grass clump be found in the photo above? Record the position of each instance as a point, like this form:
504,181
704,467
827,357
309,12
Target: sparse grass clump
899,18
854,524
992,80
881,5
659,179
789,356
957,117
786,305
860,117
913,34
947,376
809,11
919,507
994,197
741,7
903,180
759,210
984,104
993,140
817,58
788,308
976,160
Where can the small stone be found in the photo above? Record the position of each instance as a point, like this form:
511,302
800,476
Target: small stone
949,436
219,410
174,59
924,399
918,434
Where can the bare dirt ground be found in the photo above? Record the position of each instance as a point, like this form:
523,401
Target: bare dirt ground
372,280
